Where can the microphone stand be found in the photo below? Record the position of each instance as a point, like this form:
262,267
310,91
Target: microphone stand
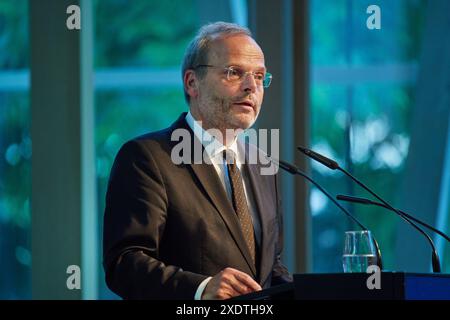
296,171
370,202
334,165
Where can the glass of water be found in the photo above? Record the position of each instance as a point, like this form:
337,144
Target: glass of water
359,251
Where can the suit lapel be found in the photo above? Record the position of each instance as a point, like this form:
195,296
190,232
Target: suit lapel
210,181
212,185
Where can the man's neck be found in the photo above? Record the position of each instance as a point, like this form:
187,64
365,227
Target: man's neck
226,137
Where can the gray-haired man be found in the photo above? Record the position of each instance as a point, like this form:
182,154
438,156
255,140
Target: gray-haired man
210,230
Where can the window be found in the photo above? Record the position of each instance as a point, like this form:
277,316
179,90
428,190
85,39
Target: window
362,91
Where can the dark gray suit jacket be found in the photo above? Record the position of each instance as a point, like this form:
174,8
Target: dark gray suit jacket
168,227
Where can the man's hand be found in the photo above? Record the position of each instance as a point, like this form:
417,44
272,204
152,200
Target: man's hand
229,283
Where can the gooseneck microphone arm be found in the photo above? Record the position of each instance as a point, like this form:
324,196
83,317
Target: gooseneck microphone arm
375,203
334,165
296,171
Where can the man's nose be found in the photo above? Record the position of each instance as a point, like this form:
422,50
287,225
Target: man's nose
249,83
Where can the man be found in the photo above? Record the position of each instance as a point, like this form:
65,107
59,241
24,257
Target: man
190,230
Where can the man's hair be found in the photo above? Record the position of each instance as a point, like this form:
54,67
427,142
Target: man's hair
198,49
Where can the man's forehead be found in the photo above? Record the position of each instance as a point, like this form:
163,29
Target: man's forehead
236,47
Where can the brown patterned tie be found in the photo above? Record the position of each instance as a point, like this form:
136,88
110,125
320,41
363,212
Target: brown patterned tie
240,201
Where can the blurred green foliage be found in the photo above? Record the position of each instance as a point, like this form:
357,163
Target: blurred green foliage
398,41
142,33
13,34
15,157
377,113
15,160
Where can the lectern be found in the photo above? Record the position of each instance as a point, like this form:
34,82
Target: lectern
353,286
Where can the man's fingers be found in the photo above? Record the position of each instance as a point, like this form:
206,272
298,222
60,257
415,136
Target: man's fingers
238,286
229,283
246,280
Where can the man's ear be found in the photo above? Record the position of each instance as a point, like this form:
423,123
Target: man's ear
191,83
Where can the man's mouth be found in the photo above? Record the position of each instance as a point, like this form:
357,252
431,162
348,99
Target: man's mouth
246,103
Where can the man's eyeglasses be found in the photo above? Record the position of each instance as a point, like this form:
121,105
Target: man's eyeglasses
236,74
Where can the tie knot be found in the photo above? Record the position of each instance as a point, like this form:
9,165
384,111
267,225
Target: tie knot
229,156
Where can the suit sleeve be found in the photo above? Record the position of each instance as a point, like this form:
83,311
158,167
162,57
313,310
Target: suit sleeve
134,222
280,274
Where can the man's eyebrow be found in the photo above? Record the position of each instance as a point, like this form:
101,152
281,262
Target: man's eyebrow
262,68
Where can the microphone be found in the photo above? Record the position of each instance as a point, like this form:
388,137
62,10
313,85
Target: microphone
370,202
334,165
320,158
296,171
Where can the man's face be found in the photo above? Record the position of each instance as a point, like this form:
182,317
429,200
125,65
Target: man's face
224,104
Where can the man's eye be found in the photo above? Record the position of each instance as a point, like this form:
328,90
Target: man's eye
259,76
235,73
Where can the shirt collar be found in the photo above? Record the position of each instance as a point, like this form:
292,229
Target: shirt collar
212,146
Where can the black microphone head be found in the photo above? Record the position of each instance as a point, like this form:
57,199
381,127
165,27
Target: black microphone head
320,158
283,165
287,166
